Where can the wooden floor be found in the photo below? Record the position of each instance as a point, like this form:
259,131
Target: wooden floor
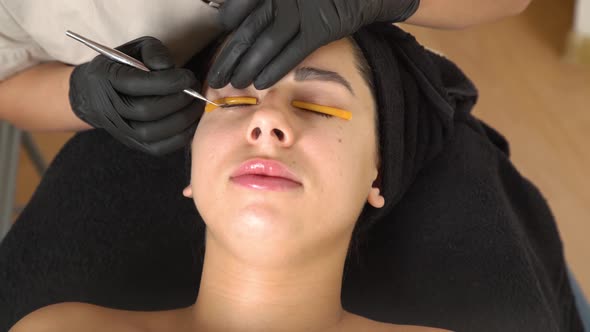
527,92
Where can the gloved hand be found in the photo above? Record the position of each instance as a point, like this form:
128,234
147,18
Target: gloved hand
274,36
144,110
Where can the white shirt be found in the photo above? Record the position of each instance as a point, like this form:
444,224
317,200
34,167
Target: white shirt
33,31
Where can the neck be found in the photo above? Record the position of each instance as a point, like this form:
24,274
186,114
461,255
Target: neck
235,296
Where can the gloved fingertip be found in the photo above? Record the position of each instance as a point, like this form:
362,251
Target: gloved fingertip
240,83
215,81
161,62
262,83
156,55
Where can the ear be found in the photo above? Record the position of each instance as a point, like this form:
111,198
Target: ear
188,192
375,198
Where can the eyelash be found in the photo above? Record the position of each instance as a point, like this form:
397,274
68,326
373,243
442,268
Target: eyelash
325,111
299,108
236,105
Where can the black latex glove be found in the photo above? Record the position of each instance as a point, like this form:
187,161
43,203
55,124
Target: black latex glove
274,36
144,110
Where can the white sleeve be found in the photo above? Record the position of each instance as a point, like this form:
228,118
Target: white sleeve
18,51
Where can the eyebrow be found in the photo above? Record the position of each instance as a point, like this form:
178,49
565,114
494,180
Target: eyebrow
311,73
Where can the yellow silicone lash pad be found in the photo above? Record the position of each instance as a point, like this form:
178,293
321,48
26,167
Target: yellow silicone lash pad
231,101
228,101
346,115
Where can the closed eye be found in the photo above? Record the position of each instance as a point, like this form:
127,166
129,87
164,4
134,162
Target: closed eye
316,113
323,110
230,102
235,105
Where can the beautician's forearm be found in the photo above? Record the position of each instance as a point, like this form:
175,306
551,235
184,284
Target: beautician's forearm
458,14
37,99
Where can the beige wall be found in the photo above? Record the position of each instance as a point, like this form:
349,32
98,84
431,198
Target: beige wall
582,17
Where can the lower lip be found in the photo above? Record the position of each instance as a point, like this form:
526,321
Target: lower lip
262,182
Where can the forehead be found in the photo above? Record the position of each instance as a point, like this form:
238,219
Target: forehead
338,57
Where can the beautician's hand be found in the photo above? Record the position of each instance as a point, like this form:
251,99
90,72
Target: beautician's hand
273,36
144,110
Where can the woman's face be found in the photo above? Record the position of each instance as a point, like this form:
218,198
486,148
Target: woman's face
285,180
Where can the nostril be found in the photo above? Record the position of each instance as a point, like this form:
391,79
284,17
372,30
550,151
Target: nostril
280,135
256,133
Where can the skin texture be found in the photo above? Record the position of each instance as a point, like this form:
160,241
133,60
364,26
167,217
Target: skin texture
262,246
274,259
50,109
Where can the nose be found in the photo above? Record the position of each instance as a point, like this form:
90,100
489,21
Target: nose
270,125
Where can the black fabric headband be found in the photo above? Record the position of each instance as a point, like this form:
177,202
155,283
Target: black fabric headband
418,93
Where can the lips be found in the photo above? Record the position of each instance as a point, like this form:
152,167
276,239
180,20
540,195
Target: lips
265,174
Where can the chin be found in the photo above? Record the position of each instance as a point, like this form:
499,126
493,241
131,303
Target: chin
256,222
260,237
262,220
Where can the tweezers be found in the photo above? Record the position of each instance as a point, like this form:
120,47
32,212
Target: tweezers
123,58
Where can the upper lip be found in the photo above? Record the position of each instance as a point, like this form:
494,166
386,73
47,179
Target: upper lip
265,167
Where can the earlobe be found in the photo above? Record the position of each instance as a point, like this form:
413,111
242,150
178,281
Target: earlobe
375,198
188,192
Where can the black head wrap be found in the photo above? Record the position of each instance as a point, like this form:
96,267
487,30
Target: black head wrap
417,93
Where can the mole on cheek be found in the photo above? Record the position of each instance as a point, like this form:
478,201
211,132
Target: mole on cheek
340,140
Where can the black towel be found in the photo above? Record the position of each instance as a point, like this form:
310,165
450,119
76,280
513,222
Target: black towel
467,243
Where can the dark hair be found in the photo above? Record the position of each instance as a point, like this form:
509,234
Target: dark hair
362,65
366,72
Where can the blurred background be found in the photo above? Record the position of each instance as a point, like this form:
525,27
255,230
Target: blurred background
533,75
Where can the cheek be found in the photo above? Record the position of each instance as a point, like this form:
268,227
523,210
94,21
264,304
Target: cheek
212,134
360,156
210,143
347,169
200,153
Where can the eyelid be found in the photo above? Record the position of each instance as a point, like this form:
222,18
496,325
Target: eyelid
228,101
346,115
